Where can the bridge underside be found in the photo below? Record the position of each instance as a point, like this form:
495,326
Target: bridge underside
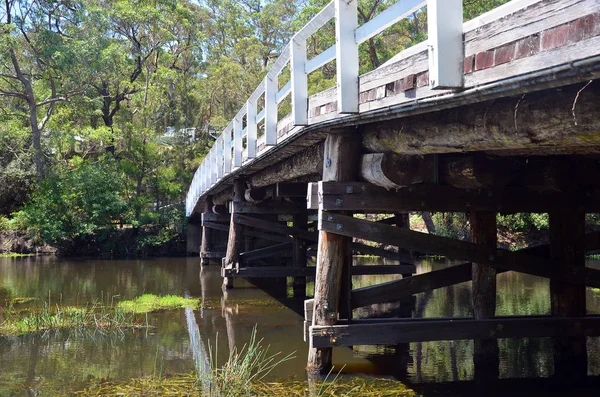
528,143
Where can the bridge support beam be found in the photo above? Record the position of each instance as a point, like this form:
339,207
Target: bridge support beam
567,246
235,241
206,234
341,154
193,237
485,356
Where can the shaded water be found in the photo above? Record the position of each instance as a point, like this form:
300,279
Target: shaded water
64,361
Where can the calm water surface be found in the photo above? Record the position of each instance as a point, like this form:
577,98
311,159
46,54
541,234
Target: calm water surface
67,360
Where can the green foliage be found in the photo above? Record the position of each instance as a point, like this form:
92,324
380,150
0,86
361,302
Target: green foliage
76,201
523,222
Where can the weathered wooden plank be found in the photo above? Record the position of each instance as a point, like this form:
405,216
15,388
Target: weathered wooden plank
274,227
381,332
216,226
398,289
212,217
268,207
283,249
455,249
307,162
544,121
308,316
356,196
269,271
541,16
312,196
291,189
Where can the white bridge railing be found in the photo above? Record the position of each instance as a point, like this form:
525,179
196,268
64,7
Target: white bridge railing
445,28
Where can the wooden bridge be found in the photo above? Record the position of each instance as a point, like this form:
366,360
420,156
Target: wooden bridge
500,114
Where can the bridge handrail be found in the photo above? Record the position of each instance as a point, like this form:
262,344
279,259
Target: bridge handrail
445,28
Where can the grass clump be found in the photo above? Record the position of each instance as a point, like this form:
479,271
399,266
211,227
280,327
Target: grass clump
243,371
150,303
47,318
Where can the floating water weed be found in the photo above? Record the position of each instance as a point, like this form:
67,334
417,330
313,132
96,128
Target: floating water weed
149,303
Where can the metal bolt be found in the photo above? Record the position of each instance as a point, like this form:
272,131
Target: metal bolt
363,188
327,163
363,203
330,218
339,202
338,226
349,189
333,340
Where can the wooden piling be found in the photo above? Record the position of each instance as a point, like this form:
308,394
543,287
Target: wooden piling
485,356
300,222
235,240
206,234
567,244
341,156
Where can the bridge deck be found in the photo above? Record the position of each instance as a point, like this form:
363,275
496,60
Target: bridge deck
471,121
523,46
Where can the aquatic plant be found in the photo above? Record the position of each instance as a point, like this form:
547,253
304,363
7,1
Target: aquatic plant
244,369
96,315
150,303
55,317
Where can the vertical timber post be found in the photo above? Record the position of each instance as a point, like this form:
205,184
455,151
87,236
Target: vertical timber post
300,222
235,240
407,305
341,156
485,356
206,233
567,239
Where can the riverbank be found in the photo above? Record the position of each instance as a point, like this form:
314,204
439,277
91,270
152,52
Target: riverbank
110,244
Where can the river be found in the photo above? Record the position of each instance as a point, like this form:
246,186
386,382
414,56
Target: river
64,361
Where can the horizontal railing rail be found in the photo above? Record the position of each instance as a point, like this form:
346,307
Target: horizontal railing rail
445,28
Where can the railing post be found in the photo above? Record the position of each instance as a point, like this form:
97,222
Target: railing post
237,142
213,165
201,178
446,55
227,150
346,23
271,89
299,81
251,128
219,144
